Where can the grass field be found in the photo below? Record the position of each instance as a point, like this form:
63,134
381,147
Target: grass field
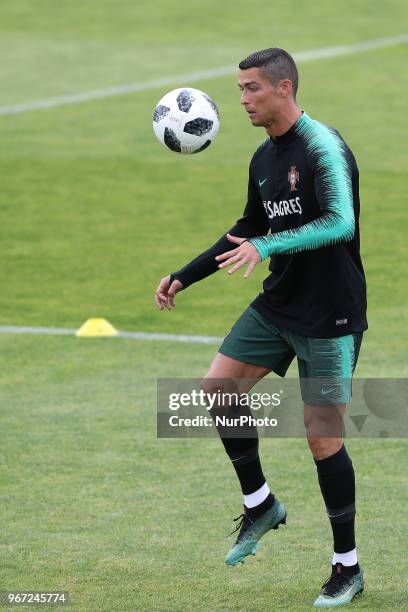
93,213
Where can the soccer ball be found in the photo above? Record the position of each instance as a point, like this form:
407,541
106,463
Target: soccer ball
186,120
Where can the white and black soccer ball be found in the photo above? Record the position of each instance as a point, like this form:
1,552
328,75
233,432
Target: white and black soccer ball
186,120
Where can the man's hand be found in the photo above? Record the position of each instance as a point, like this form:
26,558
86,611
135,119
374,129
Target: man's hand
165,293
245,253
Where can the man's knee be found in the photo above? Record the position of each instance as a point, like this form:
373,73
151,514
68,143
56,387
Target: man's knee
208,386
220,392
324,429
323,421
321,448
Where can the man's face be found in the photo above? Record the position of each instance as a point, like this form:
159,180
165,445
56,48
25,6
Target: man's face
262,101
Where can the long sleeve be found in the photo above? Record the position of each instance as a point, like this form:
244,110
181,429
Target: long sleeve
254,222
333,188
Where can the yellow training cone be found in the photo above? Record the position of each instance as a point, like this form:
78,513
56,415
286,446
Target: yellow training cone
96,328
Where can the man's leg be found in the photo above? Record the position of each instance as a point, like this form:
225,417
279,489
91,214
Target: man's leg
262,511
336,477
326,367
324,427
242,451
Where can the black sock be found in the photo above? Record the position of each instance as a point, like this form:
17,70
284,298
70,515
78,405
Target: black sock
337,484
347,570
242,451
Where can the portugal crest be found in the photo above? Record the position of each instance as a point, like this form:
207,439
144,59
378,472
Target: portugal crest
293,178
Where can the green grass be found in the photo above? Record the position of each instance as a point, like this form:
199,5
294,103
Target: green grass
97,506
93,213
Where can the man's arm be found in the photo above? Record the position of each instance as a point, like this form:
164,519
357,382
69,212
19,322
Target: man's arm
334,193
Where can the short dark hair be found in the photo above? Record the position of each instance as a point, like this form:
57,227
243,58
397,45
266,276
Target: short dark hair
276,64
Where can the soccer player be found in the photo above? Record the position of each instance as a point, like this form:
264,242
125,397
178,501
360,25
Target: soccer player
302,212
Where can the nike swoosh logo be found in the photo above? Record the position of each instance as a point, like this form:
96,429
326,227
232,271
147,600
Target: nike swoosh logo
327,391
260,183
237,459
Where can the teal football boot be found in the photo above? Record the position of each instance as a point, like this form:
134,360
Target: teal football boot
251,531
340,588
